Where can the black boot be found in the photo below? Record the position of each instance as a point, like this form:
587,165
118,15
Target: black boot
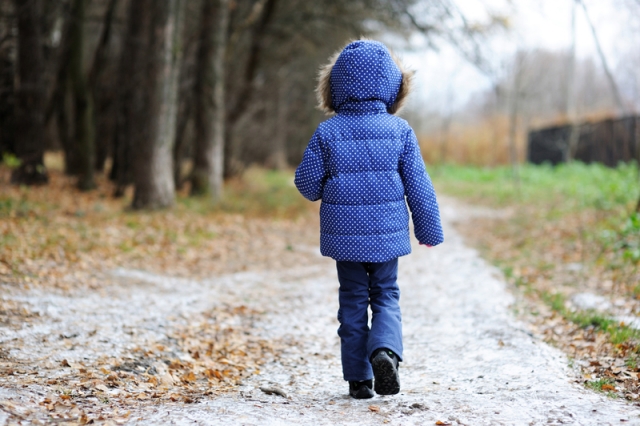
385,371
361,389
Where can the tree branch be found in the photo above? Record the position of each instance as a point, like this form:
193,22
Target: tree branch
614,86
252,63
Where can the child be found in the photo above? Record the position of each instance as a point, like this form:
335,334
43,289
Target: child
362,163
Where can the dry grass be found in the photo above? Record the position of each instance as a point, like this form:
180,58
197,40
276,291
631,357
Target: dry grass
482,143
485,142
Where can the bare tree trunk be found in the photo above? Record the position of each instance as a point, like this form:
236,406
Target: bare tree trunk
494,125
514,111
615,90
574,139
101,86
574,135
64,112
82,100
30,96
185,108
444,137
243,97
153,171
128,98
513,129
7,82
279,155
210,108
445,130
637,149
61,102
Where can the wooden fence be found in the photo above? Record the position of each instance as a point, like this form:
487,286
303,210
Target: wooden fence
608,142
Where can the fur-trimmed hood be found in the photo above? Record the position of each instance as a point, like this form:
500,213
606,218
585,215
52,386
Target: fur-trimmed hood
365,70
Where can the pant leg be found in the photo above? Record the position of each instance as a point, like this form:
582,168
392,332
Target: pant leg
384,297
353,318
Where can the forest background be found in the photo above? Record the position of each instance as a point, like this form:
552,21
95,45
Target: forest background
107,105
204,89
162,93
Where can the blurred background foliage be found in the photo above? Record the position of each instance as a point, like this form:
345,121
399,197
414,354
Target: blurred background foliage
161,94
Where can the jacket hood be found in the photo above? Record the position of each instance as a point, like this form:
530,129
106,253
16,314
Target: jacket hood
365,70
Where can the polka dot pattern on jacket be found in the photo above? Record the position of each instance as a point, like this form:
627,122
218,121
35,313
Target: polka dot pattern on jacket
365,165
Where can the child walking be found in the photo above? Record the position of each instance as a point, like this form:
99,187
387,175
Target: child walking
362,163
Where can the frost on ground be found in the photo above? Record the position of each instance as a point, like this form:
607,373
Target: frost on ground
467,359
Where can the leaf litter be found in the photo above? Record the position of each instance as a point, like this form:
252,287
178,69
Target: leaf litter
209,356
70,248
549,259
171,371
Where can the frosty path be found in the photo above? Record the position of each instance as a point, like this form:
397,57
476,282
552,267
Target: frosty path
467,360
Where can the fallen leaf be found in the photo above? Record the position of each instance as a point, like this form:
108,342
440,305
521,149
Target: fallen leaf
102,387
189,377
167,379
374,408
210,373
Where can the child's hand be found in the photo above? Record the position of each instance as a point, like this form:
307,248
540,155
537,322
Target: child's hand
429,246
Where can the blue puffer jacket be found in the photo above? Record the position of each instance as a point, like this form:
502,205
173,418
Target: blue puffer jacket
364,161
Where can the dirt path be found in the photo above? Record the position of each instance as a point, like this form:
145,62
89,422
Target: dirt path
468,360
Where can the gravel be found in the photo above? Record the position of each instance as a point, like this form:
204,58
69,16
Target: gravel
468,360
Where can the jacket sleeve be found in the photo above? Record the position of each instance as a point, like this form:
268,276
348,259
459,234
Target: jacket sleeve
310,174
420,194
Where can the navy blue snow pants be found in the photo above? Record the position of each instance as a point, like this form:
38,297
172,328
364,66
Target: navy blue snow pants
364,284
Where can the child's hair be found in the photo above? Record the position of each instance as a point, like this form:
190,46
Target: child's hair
323,90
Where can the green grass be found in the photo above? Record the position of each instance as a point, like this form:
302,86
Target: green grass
598,385
631,362
617,332
567,186
15,207
571,213
259,192
10,160
555,301
548,195
623,235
